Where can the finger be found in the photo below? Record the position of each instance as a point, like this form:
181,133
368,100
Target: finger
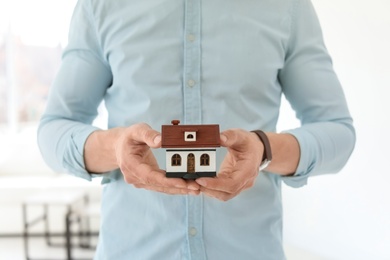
234,138
225,196
192,185
156,177
223,183
242,144
163,181
136,171
231,179
143,134
166,190
220,195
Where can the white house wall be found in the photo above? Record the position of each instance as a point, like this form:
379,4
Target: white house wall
184,155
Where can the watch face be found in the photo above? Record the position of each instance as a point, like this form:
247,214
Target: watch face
264,164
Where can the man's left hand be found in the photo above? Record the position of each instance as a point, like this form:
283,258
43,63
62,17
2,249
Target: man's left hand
240,167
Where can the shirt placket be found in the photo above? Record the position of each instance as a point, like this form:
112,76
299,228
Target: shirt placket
192,62
192,115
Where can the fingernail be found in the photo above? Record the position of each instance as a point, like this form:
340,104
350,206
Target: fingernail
157,139
193,187
223,138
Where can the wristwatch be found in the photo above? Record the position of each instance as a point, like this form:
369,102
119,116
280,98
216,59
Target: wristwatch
267,154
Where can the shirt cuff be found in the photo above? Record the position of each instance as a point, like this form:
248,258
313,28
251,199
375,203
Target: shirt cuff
307,161
73,159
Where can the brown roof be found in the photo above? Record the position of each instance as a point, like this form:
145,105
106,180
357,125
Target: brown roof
206,136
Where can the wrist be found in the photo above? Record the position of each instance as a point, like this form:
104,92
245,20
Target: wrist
100,150
286,153
267,152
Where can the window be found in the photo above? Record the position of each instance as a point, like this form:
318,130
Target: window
190,136
205,160
30,55
176,160
31,42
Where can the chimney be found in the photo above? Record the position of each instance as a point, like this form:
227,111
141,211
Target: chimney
175,122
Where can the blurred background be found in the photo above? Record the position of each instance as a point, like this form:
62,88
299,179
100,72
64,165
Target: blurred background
343,216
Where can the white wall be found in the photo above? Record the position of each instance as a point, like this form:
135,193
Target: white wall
347,216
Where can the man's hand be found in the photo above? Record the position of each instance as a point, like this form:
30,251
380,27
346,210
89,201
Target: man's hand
129,149
240,167
139,166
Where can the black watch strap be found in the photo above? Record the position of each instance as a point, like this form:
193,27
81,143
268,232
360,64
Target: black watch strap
267,154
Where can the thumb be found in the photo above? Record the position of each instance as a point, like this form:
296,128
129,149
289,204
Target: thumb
156,141
143,133
153,138
234,138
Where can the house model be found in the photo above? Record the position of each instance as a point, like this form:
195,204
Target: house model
190,150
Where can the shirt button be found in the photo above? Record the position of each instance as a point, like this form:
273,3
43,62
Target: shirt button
191,37
193,231
191,83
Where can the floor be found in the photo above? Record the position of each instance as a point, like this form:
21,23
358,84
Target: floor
13,249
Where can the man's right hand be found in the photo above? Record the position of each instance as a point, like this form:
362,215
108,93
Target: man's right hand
133,156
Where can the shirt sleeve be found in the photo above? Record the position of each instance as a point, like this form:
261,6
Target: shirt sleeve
326,136
75,95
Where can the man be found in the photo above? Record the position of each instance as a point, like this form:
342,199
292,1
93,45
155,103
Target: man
202,62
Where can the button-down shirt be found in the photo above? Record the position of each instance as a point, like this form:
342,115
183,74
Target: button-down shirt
224,62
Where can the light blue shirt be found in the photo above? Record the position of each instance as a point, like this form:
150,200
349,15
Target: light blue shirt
223,62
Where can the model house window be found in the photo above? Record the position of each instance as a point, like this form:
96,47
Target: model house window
176,160
205,160
190,136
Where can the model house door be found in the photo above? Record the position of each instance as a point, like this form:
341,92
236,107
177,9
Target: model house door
191,163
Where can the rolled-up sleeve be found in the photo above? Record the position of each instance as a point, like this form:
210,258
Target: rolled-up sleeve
327,136
75,95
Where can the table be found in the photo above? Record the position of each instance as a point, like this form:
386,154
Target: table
76,204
